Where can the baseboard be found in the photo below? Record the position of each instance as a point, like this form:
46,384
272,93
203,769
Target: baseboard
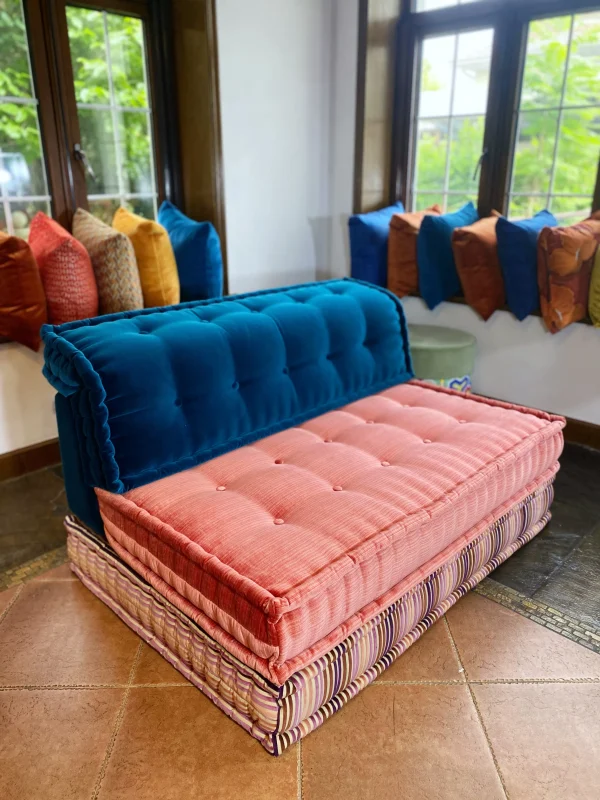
28,459
579,432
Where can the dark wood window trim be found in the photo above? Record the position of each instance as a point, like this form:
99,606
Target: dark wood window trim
510,19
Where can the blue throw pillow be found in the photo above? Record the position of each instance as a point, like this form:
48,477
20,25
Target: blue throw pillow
517,253
438,279
369,243
197,249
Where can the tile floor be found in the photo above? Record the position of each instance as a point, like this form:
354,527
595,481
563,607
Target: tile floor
488,704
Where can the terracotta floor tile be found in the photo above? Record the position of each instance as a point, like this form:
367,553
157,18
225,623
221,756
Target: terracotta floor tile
57,632
62,573
417,742
546,738
6,597
153,668
495,642
52,743
175,744
430,658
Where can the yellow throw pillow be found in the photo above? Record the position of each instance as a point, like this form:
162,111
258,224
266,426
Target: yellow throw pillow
594,301
155,259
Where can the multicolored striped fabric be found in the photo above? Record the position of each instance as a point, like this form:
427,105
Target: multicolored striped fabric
278,716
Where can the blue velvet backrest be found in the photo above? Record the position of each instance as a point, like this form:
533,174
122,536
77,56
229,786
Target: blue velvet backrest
149,393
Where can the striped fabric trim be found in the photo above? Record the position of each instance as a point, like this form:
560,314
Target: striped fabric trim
278,716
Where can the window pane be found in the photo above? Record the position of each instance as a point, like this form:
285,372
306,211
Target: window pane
104,208
432,148
577,154
424,200
22,170
144,206
465,146
451,110
108,57
558,141
535,151
570,210
472,72
135,150
583,79
88,55
524,206
546,56
98,141
125,35
437,67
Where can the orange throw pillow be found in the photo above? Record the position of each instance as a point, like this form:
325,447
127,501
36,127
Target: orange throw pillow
22,299
565,257
403,277
66,271
475,249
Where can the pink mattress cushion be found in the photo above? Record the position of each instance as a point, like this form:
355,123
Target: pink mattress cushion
281,542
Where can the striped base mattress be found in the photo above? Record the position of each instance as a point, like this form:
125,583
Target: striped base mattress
278,715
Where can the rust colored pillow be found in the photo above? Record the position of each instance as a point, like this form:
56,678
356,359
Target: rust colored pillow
22,299
475,250
565,260
403,277
66,270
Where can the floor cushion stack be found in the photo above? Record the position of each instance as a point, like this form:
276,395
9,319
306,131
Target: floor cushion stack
282,563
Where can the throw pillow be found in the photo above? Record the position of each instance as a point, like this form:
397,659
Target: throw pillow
113,261
403,277
369,244
438,279
475,250
517,253
66,271
197,250
565,261
22,298
154,255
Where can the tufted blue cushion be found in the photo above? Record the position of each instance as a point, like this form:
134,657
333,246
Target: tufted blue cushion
369,234
438,279
517,253
197,250
156,391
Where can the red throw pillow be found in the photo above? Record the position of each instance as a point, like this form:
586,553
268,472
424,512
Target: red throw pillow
403,275
22,299
66,271
475,250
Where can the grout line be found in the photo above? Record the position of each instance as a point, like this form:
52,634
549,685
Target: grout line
299,771
11,604
117,726
418,683
461,666
477,710
502,681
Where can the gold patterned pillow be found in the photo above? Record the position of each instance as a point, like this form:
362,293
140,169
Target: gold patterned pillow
114,263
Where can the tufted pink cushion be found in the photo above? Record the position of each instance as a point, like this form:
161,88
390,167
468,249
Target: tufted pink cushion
306,534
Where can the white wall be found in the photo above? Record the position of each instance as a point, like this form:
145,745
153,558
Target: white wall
288,136
26,399
523,363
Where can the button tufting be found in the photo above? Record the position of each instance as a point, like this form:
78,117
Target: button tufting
370,421
462,421
385,464
220,488
337,488
426,441
278,461
278,521
235,385
328,441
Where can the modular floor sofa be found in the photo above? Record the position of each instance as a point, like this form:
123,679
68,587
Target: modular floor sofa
263,493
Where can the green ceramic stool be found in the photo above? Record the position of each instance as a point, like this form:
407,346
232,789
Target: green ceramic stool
443,356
